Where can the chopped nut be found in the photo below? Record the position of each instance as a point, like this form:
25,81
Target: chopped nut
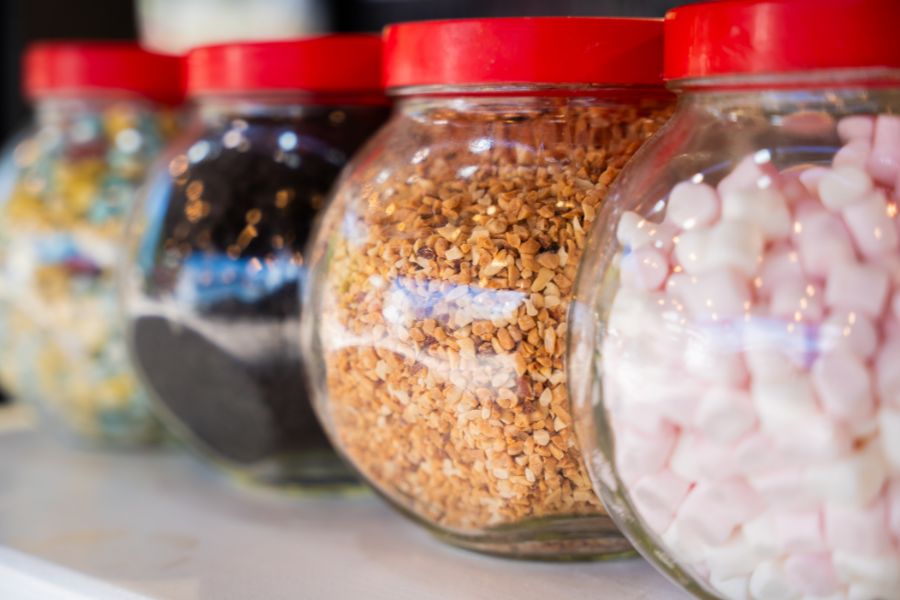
462,294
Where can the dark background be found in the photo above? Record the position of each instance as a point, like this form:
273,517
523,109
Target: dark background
26,20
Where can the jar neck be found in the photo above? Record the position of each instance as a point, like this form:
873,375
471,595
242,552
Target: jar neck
286,105
519,100
825,90
52,108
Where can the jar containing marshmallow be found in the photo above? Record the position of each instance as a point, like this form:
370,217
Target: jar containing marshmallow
736,342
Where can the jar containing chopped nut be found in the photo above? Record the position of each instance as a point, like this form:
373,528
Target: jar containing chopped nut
741,304
441,274
215,252
102,113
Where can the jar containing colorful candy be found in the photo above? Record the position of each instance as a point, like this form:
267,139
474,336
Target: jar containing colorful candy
739,309
215,253
102,113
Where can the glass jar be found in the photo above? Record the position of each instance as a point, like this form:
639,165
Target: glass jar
66,185
739,310
442,271
216,255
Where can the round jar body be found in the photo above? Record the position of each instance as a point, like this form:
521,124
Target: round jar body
739,326
67,185
440,281
211,291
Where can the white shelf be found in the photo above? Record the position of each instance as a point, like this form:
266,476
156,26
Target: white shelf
79,525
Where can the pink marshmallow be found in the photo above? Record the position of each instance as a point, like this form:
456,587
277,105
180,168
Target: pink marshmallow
819,439
844,387
854,154
714,510
859,529
800,531
657,498
797,300
851,332
812,574
750,172
822,241
781,264
893,507
639,454
716,295
692,205
887,375
884,163
698,458
872,229
857,287
645,269
856,127
783,488
843,187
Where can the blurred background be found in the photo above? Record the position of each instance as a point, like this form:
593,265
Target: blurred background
174,25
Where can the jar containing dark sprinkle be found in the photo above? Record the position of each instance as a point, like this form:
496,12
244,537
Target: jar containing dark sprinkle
441,276
212,283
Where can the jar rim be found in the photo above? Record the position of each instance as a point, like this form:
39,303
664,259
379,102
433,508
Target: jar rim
529,50
328,64
528,90
874,77
734,37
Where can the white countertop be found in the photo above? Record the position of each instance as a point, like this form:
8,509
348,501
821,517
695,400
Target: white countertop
81,525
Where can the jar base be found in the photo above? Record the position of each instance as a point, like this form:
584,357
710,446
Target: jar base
309,473
553,539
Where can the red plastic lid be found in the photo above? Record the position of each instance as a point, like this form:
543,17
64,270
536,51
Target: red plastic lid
542,50
775,36
76,68
332,64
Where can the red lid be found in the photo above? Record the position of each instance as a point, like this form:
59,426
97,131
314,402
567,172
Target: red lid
338,64
77,68
772,36
543,50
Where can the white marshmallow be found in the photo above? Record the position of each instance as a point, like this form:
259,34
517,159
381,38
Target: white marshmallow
714,510
764,207
770,582
692,205
844,387
684,544
735,244
784,404
889,424
762,535
725,414
712,353
877,572
638,454
843,187
887,375
734,558
784,488
873,230
697,458
733,588
854,480
857,287
657,498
